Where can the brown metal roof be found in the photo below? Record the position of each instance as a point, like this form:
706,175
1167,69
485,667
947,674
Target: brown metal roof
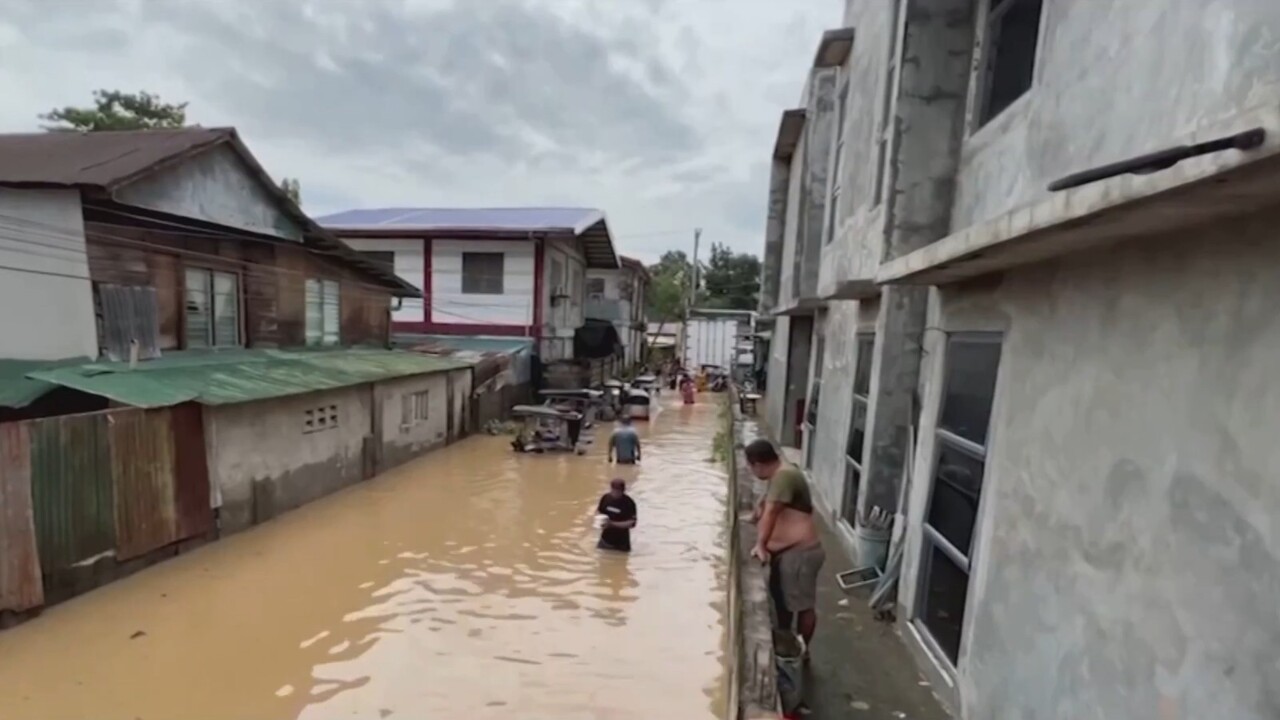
106,160
97,159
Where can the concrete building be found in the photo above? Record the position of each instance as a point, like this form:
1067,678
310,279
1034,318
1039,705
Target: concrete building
618,296
503,271
1056,383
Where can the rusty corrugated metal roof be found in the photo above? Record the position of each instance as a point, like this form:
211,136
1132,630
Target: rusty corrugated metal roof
106,160
20,579
98,159
142,471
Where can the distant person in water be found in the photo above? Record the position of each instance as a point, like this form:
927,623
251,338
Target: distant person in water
624,443
619,512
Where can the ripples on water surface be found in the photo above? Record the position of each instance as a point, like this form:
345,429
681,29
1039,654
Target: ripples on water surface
465,584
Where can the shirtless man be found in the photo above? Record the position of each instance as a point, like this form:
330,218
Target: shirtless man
787,539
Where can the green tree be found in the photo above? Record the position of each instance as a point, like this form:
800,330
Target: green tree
668,286
293,189
115,110
730,281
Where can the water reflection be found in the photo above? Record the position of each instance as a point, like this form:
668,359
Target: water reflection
465,583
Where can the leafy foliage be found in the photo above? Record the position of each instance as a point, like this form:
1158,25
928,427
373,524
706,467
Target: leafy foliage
730,281
669,283
293,189
115,110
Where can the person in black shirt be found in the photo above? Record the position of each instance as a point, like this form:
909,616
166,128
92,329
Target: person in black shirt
619,512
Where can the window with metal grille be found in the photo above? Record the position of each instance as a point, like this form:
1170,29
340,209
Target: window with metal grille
324,312
129,321
1009,40
212,316
866,343
972,360
483,273
595,289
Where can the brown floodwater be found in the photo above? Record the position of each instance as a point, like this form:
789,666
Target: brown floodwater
465,584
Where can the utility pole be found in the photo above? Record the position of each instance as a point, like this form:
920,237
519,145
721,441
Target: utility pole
690,299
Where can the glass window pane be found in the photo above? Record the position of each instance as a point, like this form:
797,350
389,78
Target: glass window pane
815,394
226,310
852,481
970,387
332,312
957,486
197,308
862,374
314,313
482,273
946,586
857,430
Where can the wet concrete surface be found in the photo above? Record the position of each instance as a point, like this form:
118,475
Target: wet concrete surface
860,669
464,584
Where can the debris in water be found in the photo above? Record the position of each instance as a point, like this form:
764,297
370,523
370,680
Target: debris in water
137,635
284,691
859,705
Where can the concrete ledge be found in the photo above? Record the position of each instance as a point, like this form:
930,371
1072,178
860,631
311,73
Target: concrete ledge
754,675
1195,191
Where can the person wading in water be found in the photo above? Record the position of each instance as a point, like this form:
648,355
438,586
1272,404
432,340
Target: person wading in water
624,443
787,540
619,512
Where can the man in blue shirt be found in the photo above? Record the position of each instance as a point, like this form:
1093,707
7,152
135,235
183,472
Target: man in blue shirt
624,443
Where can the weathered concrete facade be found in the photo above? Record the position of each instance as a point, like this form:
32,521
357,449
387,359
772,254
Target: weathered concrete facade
271,456
1059,547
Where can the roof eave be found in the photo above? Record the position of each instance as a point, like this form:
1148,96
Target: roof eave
834,48
790,128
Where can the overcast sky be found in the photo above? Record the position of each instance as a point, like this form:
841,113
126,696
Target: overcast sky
660,112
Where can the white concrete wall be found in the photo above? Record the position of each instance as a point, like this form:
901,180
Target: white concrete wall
410,266
450,306
402,442
1127,557
46,299
262,462
1176,65
561,319
215,186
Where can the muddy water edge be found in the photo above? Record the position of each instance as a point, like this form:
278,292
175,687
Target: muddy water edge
464,584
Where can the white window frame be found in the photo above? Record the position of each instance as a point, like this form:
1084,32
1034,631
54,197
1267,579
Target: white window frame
837,163
323,303
864,344
415,408
932,538
889,104
210,294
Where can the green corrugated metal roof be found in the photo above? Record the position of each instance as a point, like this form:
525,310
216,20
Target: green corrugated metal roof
236,376
17,390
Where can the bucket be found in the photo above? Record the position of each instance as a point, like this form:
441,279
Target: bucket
790,667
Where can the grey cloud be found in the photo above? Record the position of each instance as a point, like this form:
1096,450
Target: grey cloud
427,79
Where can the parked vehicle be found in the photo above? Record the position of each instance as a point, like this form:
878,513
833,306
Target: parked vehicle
637,404
585,402
647,383
546,429
615,395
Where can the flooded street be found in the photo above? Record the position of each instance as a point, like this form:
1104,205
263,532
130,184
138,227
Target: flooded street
465,584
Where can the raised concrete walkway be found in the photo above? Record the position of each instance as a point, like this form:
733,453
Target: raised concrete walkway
860,668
